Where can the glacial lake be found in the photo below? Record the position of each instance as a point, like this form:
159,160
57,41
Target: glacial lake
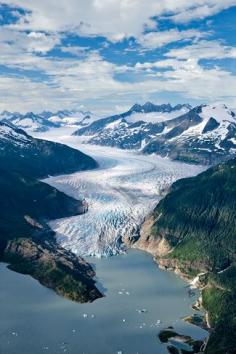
35,320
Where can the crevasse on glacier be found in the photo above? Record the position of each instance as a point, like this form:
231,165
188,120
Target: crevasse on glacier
120,194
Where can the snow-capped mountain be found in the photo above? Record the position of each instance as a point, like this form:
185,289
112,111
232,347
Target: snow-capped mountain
79,119
204,134
134,117
12,135
40,122
30,121
21,152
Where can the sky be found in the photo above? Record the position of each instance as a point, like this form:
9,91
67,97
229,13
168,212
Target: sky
106,55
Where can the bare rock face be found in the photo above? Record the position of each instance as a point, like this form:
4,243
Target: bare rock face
54,267
157,246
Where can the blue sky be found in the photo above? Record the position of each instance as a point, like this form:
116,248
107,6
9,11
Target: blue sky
105,55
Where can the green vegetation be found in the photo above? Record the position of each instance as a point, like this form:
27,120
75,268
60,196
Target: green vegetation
219,299
198,220
22,196
57,269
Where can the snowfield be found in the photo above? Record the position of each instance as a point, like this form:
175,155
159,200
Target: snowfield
120,193
155,117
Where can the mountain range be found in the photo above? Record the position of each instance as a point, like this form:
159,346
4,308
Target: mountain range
203,134
41,122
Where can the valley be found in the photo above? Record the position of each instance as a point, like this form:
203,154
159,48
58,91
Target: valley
115,197
124,190
117,177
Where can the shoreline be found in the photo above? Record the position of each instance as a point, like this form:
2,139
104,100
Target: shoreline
193,282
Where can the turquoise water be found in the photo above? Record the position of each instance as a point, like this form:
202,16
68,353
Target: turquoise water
35,320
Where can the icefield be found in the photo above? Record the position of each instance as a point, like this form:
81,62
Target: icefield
120,193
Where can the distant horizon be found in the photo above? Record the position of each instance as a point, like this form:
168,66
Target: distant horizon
114,112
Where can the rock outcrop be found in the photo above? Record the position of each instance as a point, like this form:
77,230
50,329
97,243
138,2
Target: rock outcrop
54,267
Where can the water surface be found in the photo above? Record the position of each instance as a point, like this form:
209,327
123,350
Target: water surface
35,320
140,299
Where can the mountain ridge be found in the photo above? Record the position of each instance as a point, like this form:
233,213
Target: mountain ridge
27,204
203,134
45,120
192,231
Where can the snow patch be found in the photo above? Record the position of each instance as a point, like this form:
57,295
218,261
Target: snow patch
155,117
219,112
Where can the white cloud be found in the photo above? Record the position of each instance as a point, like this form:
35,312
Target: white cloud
93,80
69,82
157,39
75,50
41,42
181,72
204,50
13,41
24,95
203,10
114,19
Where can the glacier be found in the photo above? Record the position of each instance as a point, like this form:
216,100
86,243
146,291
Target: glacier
120,193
